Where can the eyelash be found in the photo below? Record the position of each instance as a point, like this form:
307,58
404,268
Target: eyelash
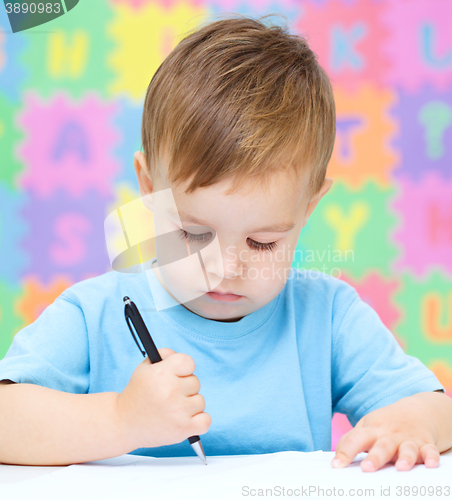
255,245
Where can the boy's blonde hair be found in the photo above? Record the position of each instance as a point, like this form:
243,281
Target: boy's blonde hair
241,100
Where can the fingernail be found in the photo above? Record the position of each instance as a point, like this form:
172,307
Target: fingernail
336,462
431,462
369,465
403,463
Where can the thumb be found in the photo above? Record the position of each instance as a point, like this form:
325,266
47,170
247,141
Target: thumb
165,352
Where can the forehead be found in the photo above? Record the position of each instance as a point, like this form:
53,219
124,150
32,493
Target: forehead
284,183
271,182
270,206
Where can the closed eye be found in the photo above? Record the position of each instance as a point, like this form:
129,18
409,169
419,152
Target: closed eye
266,247
204,237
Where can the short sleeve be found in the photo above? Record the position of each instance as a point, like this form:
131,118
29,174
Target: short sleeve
53,351
369,368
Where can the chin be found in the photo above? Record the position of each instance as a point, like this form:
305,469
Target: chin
213,315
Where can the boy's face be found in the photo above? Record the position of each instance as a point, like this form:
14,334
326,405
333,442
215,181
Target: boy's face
255,252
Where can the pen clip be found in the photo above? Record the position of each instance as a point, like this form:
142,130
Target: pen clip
133,335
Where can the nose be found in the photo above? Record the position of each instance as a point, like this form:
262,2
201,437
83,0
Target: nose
232,267
223,263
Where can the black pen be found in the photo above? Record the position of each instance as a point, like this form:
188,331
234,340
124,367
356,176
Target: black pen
132,314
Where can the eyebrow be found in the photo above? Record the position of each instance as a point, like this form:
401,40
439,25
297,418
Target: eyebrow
278,227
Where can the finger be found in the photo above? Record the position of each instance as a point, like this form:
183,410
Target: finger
354,442
196,404
407,456
381,452
200,424
190,385
165,352
181,364
430,455
341,440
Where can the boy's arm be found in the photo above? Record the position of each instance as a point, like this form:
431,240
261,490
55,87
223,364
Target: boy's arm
387,395
159,406
42,426
413,430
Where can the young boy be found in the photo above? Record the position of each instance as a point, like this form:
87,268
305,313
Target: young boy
239,125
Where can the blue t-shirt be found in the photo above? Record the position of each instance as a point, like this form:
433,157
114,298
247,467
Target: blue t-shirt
271,381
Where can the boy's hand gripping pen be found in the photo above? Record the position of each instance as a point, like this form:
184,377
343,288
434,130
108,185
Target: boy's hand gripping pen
132,314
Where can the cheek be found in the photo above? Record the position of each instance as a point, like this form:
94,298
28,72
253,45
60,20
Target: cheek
184,274
278,269
267,275
267,286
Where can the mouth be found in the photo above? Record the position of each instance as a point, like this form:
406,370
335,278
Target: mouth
224,297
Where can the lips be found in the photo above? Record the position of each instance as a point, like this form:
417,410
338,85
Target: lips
223,297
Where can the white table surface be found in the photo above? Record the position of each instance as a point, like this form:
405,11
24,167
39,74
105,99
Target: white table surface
131,477
15,473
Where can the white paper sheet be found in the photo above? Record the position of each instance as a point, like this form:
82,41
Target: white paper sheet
284,474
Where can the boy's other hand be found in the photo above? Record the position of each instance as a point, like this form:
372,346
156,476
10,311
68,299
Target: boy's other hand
160,405
413,430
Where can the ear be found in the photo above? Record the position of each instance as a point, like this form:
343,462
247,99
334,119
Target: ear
327,183
141,169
